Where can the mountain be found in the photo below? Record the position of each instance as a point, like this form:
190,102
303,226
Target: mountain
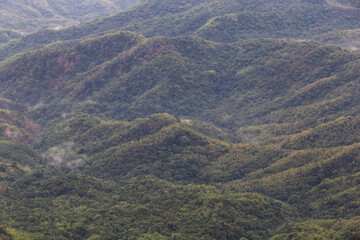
90,161
17,134
204,121
254,88
79,207
7,35
14,125
225,21
28,17
320,229
159,145
346,38
177,151
17,160
135,205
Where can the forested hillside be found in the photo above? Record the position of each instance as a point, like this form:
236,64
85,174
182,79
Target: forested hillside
180,119
275,87
216,20
108,171
7,35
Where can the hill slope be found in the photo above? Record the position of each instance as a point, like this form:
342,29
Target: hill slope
216,20
79,207
125,76
14,125
311,180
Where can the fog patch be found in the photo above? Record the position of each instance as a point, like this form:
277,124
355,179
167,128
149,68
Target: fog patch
87,102
186,121
64,155
57,27
36,106
26,169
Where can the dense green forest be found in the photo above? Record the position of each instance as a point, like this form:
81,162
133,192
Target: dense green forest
150,179
256,88
216,20
178,119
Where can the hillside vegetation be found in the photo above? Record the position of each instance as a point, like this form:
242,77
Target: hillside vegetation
75,206
118,159
256,88
216,20
163,146
14,125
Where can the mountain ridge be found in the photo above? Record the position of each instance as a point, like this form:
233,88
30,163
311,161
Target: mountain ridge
28,17
186,72
189,18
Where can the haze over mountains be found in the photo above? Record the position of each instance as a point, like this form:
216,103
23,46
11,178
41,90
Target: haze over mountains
30,16
182,120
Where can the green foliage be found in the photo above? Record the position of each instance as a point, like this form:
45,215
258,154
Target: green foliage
175,153
15,125
308,21
314,180
249,84
13,234
240,161
16,161
319,229
79,207
210,130
159,145
320,182
53,66
227,21
18,153
342,131
303,231
234,86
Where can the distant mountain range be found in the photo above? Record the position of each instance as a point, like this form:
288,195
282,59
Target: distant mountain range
30,16
223,21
